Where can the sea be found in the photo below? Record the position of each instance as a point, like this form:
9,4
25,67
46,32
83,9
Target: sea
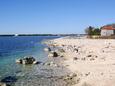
12,48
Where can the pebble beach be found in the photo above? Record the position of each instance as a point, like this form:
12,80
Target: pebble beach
92,60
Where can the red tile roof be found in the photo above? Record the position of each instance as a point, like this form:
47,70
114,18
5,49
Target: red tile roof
108,28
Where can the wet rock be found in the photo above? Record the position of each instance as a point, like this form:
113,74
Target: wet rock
18,71
51,64
69,77
36,62
19,61
3,84
53,54
27,60
9,79
47,49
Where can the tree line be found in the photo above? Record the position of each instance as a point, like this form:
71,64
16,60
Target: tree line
92,31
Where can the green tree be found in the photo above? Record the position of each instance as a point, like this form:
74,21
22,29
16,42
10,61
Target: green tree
96,31
92,31
89,30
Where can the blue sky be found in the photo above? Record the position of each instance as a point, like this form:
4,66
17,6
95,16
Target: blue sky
54,16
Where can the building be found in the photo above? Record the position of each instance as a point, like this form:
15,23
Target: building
108,30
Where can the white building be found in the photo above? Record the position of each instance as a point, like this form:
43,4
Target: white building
107,31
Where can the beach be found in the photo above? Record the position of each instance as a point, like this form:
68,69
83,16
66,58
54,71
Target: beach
49,71
91,59
64,61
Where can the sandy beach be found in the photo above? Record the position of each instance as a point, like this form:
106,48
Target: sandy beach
92,59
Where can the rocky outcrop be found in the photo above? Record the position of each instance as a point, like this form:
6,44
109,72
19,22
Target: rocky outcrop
27,60
53,54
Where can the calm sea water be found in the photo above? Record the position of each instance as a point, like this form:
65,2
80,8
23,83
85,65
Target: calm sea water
12,48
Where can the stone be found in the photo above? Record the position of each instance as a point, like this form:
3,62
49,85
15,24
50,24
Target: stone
61,50
19,61
9,79
91,59
53,54
89,56
24,61
47,49
85,84
36,62
70,76
27,60
76,50
51,64
83,58
3,84
75,58
87,74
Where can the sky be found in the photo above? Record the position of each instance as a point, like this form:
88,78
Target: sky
54,16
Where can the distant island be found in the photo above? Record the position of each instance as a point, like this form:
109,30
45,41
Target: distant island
42,34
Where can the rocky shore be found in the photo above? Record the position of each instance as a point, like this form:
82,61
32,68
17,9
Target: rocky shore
93,59
70,62
52,72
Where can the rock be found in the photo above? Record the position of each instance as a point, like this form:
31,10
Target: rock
3,84
53,54
47,49
87,74
102,73
50,55
83,58
62,45
36,62
27,60
50,64
86,84
19,61
9,79
76,50
24,61
89,56
71,76
75,58
91,59
61,50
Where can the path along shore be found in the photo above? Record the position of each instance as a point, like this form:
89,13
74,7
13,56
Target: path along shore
93,59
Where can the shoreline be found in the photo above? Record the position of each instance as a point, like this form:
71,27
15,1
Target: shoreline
50,71
92,58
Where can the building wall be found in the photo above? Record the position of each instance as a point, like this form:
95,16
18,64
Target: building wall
107,32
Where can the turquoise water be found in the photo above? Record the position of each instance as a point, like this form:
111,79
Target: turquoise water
12,48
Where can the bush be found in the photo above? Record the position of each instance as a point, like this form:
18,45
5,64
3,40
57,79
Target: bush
92,31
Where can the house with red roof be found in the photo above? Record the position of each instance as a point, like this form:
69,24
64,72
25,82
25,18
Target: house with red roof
108,30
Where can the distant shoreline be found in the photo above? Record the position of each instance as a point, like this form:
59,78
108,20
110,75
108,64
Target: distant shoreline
4,35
